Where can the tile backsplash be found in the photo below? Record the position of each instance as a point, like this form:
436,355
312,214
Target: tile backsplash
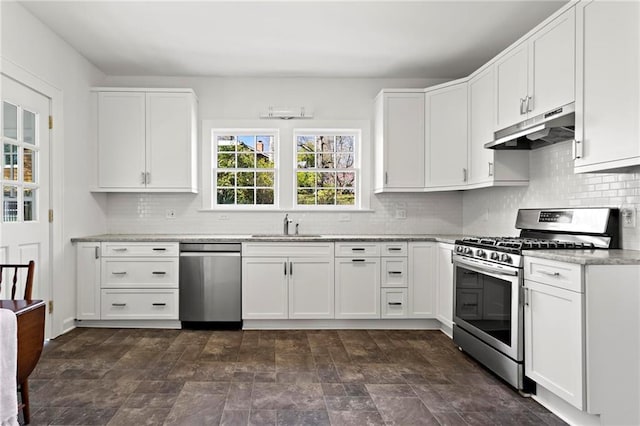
492,211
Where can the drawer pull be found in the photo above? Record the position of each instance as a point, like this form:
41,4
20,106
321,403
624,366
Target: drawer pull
159,304
159,249
119,304
357,260
395,249
550,274
395,272
120,273
120,249
395,303
159,273
357,249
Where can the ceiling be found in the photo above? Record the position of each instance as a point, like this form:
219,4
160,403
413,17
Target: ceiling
394,39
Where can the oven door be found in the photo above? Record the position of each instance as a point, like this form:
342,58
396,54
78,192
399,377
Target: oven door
487,304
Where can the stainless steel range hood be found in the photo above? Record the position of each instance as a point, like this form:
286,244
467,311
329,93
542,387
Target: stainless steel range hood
545,129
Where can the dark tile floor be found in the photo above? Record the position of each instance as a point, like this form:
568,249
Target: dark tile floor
337,377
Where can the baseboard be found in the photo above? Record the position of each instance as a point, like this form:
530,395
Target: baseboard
68,325
171,324
373,324
564,410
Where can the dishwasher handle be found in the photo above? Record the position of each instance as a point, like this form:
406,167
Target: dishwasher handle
208,254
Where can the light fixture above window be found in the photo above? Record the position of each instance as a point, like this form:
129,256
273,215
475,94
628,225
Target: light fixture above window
285,113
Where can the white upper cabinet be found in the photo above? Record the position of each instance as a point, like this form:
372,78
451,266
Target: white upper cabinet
446,136
146,140
489,167
607,86
399,141
537,75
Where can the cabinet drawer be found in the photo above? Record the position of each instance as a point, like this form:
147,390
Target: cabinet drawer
139,304
139,273
557,274
394,272
394,249
139,249
394,303
357,249
287,249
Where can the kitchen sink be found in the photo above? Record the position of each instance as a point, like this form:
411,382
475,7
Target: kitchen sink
286,236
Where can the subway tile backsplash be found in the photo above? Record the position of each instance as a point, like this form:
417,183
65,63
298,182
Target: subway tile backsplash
492,211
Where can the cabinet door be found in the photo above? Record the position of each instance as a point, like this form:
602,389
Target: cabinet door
446,136
554,340
607,101
481,125
170,140
552,56
445,285
121,139
357,288
264,288
403,139
88,281
422,276
311,290
511,85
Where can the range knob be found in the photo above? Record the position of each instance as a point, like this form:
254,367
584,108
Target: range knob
505,258
459,249
481,253
467,250
495,256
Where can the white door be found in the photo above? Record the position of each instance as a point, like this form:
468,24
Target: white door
311,288
357,288
482,107
25,181
512,81
264,288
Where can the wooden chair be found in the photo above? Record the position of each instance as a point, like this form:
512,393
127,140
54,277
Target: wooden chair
29,346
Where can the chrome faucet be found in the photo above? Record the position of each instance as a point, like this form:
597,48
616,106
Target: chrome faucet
287,221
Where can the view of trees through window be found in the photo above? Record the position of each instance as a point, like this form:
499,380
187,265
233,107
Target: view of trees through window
326,172
245,169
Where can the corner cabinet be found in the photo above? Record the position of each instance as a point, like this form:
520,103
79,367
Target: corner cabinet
607,86
399,141
147,140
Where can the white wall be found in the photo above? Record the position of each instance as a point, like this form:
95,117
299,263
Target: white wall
552,184
33,47
247,98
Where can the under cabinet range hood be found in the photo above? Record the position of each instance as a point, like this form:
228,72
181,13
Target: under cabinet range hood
545,129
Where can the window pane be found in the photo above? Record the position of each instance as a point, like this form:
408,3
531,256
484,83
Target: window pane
29,205
10,162
264,179
326,196
246,178
345,179
325,161
246,161
344,161
10,121
264,143
29,127
306,143
9,203
306,197
265,161
345,197
264,196
226,161
226,143
327,179
29,162
306,161
306,179
325,144
246,196
226,179
344,143
246,144
226,196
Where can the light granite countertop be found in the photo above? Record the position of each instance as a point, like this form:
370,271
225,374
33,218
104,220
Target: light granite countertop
589,257
207,238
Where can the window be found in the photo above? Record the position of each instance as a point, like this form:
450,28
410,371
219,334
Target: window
244,168
326,168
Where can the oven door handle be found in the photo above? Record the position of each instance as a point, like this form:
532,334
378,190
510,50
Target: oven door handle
484,269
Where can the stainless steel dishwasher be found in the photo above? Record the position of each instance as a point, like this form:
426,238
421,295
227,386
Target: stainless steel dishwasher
210,285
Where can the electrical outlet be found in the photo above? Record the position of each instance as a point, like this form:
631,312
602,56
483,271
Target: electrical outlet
628,215
401,214
170,214
344,217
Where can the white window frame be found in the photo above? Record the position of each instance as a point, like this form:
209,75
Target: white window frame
357,188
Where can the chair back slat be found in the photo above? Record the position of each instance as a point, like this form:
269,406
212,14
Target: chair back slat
28,286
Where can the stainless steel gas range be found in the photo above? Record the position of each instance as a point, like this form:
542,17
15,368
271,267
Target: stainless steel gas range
488,281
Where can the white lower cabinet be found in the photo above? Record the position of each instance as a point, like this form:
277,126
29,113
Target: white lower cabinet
88,281
357,282
298,285
393,303
422,268
139,304
444,285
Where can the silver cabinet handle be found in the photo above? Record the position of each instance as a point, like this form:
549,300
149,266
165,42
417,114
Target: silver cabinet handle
291,268
529,103
121,249
143,180
464,175
285,268
158,304
550,274
526,296
386,178
119,304
577,149
159,273
97,252
357,260
148,179
395,272
490,169
522,110
120,273
395,303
